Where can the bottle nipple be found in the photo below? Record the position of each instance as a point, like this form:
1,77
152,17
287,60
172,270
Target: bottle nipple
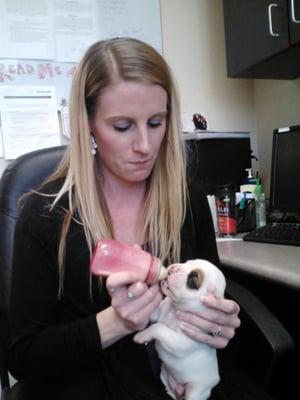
157,271
162,273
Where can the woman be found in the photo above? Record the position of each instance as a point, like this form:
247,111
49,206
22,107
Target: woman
123,176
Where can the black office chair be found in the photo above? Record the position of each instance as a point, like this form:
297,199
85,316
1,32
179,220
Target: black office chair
259,326
22,175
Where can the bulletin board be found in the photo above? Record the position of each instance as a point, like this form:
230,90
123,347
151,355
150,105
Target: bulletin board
43,40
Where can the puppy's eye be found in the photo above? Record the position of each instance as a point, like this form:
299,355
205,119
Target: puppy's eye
194,279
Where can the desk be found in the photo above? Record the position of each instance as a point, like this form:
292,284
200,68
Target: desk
277,263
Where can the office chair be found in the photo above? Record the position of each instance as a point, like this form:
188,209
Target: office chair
259,325
22,175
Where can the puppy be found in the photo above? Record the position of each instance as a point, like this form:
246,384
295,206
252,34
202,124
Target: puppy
191,363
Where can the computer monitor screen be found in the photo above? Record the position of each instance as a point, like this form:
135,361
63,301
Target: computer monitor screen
285,170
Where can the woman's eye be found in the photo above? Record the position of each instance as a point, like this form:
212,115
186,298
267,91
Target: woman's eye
155,123
122,127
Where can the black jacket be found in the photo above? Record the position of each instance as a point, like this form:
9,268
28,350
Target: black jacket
56,342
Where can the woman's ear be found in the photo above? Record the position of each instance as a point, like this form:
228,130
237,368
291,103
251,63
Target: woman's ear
93,145
91,126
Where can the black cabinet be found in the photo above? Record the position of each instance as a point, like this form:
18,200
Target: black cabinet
262,38
294,18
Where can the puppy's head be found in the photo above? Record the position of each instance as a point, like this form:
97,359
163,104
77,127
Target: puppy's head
186,283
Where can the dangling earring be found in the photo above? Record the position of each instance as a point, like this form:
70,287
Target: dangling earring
93,146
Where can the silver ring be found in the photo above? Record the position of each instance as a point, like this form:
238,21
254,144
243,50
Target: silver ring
217,332
130,295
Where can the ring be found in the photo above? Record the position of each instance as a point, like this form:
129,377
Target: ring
130,295
217,332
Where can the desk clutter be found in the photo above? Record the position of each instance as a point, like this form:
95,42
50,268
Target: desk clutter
237,212
246,212
272,220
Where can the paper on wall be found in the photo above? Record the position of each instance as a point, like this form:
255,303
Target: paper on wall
1,146
29,119
75,27
27,29
61,30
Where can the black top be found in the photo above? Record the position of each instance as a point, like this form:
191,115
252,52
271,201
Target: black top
56,341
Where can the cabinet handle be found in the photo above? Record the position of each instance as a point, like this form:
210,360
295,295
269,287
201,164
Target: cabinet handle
272,33
294,19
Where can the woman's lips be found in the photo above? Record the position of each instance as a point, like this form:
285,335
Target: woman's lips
141,161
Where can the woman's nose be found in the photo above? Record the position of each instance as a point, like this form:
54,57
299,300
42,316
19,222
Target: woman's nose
141,141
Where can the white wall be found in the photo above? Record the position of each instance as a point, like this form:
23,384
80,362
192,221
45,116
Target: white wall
194,46
277,104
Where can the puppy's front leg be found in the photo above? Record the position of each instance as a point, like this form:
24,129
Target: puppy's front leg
198,390
165,336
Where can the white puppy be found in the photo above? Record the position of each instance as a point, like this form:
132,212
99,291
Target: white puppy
191,363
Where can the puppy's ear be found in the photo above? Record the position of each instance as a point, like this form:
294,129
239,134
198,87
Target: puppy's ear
195,279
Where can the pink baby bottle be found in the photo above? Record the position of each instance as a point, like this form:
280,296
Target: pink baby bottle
112,256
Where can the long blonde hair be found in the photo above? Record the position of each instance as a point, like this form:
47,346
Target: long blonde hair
165,205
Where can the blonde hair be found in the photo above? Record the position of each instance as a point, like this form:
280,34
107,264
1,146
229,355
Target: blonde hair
165,205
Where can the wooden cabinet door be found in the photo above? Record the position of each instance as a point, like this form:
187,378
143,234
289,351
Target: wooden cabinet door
255,30
294,20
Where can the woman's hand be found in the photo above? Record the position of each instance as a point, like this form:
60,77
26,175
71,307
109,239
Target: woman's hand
215,325
133,302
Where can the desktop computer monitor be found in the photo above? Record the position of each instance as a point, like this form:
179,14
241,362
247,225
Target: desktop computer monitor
285,170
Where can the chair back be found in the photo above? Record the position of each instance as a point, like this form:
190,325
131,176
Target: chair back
25,173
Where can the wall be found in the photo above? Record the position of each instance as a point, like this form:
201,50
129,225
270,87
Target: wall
277,104
194,46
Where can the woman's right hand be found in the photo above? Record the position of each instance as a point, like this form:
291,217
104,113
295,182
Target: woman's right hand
132,302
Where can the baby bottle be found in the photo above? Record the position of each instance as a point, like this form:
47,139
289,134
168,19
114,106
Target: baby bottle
112,256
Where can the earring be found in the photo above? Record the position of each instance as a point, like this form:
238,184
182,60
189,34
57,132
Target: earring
93,146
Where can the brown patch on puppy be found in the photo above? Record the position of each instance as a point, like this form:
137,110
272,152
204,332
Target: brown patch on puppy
195,279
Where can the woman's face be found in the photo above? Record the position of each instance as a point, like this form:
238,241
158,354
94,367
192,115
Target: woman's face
129,127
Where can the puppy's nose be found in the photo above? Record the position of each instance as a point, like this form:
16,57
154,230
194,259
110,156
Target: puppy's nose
195,279
173,268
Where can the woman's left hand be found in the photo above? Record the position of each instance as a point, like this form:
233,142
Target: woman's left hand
215,325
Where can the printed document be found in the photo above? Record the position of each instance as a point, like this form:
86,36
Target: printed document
29,119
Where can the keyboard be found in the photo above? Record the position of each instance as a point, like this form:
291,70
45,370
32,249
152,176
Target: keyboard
277,233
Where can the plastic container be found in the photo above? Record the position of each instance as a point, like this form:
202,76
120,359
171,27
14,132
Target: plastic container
260,207
225,205
112,256
250,182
